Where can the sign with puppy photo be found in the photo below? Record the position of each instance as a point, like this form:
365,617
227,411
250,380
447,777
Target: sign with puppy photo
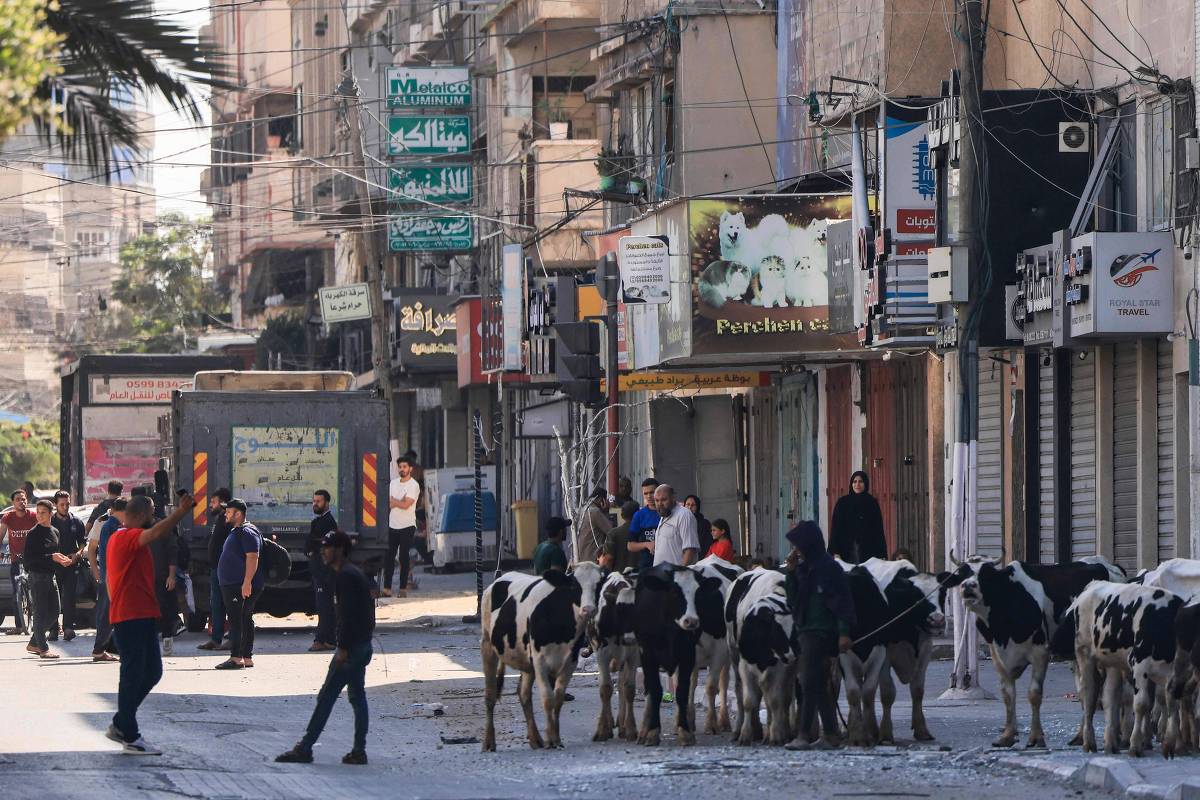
760,273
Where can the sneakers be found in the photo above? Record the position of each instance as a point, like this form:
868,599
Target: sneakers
114,734
297,755
168,646
225,645
140,748
355,757
207,644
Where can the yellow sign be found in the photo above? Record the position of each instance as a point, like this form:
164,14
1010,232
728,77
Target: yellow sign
673,381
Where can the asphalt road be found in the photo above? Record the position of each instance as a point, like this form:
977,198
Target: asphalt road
221,730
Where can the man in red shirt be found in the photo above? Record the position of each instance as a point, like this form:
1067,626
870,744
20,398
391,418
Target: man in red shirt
16,525
133,612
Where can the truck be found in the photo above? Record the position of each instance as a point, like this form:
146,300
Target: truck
273,439
111,405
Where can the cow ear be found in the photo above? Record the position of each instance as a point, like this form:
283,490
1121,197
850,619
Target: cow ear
943,576
556,579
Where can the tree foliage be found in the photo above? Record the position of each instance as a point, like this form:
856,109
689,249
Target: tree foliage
282,334
28,51
165,295
28,453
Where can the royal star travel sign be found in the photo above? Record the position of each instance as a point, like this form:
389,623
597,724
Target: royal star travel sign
428,87
428,136
407,234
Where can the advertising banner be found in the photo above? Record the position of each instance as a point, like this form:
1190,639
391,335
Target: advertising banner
645,264
512,304
277,469
428,136
426,331
759,267
121,389
420,182
412,233
345,303
129,460
428,87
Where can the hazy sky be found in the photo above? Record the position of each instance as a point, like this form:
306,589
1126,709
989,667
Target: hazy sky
181,182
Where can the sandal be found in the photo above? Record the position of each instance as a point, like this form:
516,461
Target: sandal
99,657
230,664
48,655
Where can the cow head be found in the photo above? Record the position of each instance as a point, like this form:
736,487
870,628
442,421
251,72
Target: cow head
931,589
591,579
680,586
970,575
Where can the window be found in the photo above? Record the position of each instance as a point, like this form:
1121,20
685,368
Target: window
1160,165
1117,205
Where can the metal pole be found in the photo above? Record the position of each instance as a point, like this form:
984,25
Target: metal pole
478,497
612,374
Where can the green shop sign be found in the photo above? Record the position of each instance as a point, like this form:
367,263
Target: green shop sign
428,136
430,182
407,234
428,87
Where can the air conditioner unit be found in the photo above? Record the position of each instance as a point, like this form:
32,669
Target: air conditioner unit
1074,137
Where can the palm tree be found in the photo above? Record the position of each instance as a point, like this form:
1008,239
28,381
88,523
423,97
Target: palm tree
110,48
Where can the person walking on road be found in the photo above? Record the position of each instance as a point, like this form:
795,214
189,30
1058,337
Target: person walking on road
71,543
594,527
241,583
15,526
134,614
856,533
675,539
40,558
216,542
819,595
403,494
550,554
322,577
355,625
97,543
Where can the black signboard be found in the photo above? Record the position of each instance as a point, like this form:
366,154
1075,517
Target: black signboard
426,336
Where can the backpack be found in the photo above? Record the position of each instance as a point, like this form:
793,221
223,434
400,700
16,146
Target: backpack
275,562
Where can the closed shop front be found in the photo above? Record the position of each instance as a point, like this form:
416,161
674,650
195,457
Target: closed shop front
1166,452
1045,458
797,454
879,445
989,459
912,475
839,413
765,487
1125,455
1083,454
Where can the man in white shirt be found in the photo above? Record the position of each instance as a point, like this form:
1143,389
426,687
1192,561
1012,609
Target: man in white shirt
402,525
675,539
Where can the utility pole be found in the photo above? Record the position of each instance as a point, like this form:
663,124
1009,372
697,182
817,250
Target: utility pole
1193,304
972,176
608,280
381,356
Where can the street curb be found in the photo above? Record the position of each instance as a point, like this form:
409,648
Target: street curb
1106,772
1110,774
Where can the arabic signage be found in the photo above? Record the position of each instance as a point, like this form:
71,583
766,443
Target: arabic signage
512,294
426,331
428,136
759,265
428,87
413,233
135,388
277,469
439,183
645,264
677,381
345,303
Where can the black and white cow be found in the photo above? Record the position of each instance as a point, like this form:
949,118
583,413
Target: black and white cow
667,626
1018,608
536,625
712,649
891,611
1182,576
615,647
759,626
1125,632
909,653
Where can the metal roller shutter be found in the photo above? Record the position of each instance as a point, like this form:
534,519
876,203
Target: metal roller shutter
1045,446
765,485
989,459
1083,456
1166,452
1125,455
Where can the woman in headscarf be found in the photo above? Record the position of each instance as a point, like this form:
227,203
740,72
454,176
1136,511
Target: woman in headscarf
819,596
857,530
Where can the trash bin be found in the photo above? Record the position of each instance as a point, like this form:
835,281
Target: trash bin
525,517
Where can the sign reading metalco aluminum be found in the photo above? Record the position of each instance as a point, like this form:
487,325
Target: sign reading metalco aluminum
428,87
428,136
421,182
408,234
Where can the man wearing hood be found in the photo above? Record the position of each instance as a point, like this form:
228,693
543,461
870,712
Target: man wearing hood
857,530
820,599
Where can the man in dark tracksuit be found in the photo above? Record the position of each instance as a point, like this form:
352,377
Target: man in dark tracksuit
355,626
216,541
322,576
819,595
71,541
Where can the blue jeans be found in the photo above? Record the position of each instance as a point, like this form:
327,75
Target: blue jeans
216,605
141,669
353,675
322,580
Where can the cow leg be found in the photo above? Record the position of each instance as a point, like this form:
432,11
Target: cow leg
735,666
723,724
628,722
1041,660
691,706
873,669
604,725
553,689
1112,702
887,696
1008,690
1087,682
685,705
916,690
1170,740
651,725
493,677
853,678
1143,704
777,696
525,696
750,730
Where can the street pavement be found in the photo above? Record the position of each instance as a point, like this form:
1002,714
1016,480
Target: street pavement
221,730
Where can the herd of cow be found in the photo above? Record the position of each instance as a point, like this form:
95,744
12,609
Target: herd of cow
1135,638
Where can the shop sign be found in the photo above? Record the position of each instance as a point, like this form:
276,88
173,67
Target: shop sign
426,331
428,136
512,303
414,233
430,182
760,272
122,389
645,265
679,381
428,87
345,303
